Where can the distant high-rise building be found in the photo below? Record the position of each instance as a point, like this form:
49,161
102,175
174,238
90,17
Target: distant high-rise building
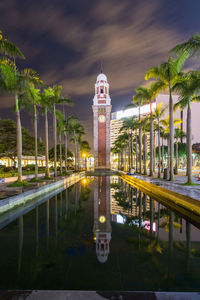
116,123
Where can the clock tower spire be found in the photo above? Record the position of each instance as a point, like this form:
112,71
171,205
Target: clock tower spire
101,123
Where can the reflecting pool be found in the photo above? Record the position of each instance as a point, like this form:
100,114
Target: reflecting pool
100,234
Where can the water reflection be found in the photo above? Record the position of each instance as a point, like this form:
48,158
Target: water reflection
21,239
72,239
102,220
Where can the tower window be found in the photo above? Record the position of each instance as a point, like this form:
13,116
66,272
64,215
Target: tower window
101,91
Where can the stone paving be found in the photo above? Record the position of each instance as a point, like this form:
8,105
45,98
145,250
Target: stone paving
97,295
177,185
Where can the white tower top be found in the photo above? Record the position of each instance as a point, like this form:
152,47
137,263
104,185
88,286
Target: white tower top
102,96
101,76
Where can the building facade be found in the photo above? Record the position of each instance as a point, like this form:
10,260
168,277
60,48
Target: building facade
101,123
116,123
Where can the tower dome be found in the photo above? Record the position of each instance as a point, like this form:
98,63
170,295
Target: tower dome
101,77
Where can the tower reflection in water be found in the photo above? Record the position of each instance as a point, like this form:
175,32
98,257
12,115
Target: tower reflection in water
102,217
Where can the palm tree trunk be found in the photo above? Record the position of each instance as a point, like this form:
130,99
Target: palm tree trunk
129,152
168,149
154,151
176,165
36,142
140,146
46,145
145,154
60,140
151,142
171,134
159,152
136,153
19,140
55,140
181,124
65,137
162,154
189,145
75,151
122,162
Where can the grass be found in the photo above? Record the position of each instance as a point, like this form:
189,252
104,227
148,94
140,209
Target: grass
36,180
13,174
19,184
189,183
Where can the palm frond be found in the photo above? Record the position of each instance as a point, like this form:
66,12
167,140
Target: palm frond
192,46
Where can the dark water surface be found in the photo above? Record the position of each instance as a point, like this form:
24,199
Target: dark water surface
100,234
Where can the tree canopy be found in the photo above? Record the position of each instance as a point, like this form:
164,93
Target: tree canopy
8,141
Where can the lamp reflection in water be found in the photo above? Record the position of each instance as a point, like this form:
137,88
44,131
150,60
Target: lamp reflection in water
102,217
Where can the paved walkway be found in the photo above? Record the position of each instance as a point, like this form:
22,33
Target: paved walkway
177,185
97,295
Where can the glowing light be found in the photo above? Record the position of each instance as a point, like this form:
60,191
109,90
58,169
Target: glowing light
145,109
121,219
84,181
84,154
102,219
147,226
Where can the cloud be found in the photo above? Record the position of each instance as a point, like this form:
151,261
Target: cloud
128,47
131,36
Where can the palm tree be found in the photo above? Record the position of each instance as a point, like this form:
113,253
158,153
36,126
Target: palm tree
164,136
77,131
139,100
33,97
8,48
166,124
67,131
192,46
57,99
122,143
117,149
54,95
46,104
167,74
129,125
60,128
11,81
188,87
15,82
179,134
145,127
146,96
158,114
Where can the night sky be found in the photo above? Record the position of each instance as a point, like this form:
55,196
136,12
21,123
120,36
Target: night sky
64,41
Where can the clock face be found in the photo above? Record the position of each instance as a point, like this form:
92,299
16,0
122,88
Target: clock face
102,118
102,219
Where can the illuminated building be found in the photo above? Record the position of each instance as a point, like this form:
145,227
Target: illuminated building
102,217
117,122
101,123
117,119
26,160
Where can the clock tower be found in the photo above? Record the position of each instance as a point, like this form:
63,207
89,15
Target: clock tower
101,123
